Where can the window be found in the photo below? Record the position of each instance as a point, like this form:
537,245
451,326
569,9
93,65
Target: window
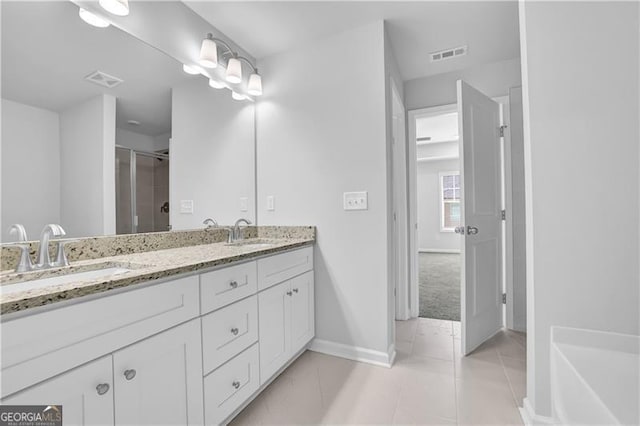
449,201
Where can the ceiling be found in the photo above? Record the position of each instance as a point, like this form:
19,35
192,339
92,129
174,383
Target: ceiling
47,50
416,28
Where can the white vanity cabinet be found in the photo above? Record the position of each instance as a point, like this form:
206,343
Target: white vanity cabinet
85,393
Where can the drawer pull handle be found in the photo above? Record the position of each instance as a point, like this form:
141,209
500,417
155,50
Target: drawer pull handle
289,293
129,374
234,331
102,388
295,290
236,384
233,284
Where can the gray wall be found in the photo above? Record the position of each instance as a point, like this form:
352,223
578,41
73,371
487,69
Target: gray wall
581,134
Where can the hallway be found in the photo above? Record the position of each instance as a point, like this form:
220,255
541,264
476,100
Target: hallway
439,281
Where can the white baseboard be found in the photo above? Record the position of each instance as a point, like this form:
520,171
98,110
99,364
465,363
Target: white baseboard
529,416
429,250
354,353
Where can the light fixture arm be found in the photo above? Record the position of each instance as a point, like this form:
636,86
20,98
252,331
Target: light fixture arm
248,62
223,43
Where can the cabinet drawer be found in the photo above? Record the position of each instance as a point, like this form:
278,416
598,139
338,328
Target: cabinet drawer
279,268
222,287
42,345
229,386
229,331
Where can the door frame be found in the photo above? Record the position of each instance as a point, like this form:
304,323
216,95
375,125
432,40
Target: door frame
412,191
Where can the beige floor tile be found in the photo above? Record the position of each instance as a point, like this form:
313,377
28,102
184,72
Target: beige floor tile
486,403
427,395
406,330
433,342
403,417
403,347
432,322
516,371
424,363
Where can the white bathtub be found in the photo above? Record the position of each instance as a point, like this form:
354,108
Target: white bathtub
595,377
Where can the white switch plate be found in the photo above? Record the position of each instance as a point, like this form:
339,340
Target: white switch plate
271,203
186,206
244,204
356,200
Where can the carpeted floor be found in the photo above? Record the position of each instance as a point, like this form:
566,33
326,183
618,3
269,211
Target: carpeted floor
440,286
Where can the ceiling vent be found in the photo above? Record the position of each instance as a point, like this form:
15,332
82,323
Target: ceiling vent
103,79
448,54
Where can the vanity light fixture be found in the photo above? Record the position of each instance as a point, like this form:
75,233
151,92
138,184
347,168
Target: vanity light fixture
237,96
208,52
93,19
117,7
216,84
190,69
234,70
254,88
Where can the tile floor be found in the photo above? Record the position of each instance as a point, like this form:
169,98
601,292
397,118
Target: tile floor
430,383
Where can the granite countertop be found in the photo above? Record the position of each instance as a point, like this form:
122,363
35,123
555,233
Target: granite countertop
145,266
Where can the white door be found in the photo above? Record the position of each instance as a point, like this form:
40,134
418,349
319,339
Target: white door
159,380
274,324
302,311
85,393
481,286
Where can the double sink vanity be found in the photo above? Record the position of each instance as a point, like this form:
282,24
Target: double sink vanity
165,328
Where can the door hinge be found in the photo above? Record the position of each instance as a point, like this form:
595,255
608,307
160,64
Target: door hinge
502,130
504,298
503,214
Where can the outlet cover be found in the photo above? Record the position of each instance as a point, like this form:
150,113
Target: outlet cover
186,206
271,203
356,200
244,204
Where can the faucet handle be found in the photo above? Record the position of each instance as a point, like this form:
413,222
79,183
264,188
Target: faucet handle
61,256
25,264
19,230
211,223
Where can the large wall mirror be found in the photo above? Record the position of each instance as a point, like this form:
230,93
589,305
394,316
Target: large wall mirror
105,134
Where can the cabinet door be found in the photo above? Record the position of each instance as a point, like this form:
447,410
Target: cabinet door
302,311
85,393
159,380
274,323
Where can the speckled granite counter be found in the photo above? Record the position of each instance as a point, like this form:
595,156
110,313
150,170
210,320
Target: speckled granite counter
145,266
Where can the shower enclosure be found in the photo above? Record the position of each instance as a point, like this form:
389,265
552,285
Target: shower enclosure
142,191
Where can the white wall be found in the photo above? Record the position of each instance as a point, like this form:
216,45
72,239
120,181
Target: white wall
212,155
30,168
493,79
430,237
137,141
321,132
161,142
580,75
87,167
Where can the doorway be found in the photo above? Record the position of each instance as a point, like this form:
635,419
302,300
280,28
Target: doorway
142,191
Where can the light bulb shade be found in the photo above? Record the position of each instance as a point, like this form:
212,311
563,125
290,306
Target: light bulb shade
190,69
208,53
255,85
216,84
234,71
117,7
92,19
237,96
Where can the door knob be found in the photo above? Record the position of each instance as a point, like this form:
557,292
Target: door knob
289,293
236,384
295,290
472,230
233,284
102,388
459,230
129,374
234,331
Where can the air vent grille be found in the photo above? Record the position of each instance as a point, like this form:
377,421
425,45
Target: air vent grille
448,54
103,79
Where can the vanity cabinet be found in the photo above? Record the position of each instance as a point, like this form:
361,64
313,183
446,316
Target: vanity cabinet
286,320
85,393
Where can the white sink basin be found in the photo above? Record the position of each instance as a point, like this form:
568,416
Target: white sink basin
44,282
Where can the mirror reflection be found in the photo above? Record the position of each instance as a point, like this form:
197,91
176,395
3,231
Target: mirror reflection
104,134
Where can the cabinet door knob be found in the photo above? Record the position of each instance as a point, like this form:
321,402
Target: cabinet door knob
102,388
295,290
236,384
234,331
129,374
289,293
233,284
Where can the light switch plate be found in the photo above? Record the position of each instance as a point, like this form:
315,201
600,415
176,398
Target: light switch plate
244,204
356,200
186,206
271,203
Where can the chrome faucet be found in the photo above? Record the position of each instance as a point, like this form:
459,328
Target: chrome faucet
24,264
44,260
210,223
237,232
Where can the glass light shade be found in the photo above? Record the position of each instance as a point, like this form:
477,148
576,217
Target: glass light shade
237,96
117,7
234,71
208,53
190,69
92,19
216,84
255,85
